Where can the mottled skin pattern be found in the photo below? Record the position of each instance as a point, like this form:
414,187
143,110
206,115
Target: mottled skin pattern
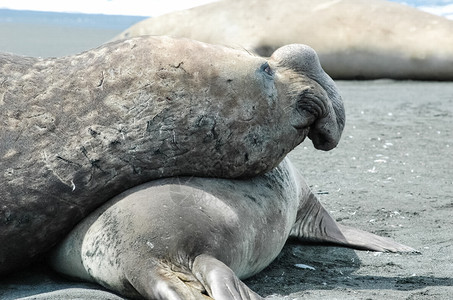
177,238
76,131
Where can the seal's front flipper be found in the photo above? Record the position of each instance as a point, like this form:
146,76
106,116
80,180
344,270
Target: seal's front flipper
163,282
314,224
220,281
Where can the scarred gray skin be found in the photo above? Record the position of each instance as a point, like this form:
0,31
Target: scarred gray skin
183,238
78,130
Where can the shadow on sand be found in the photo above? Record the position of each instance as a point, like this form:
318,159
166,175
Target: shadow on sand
336,268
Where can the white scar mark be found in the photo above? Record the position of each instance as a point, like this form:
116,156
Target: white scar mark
325,5
44,155
150,245
10,153
49,166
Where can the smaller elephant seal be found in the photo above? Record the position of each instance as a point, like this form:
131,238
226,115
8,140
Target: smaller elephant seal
355,39
77,131
185,238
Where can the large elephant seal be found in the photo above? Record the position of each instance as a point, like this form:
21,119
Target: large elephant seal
353,38
76,131
179,237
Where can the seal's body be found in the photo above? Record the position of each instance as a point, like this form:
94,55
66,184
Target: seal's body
77,131
353,38
176,238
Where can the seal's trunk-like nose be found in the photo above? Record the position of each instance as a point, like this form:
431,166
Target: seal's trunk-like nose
325,132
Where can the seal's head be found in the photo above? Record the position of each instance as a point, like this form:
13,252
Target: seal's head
313,97
222,112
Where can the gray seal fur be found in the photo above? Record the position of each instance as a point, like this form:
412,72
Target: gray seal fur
76,131
184,238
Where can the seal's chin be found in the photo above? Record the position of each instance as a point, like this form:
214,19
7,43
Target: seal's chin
322,141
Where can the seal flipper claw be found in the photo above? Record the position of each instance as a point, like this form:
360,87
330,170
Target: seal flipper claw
314,224
220,281
161,283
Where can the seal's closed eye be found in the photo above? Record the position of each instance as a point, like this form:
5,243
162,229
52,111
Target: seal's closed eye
267,69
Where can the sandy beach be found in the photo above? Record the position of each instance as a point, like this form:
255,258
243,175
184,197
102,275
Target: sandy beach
392,174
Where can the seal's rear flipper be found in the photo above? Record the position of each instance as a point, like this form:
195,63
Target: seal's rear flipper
314,224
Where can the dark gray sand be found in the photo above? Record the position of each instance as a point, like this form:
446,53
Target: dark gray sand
392,174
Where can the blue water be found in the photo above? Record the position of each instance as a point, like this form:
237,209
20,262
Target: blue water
119,22
68,19
424,2
442,7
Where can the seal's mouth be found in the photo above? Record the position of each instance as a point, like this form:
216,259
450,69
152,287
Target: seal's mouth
322,141
302,132
318,119
309,107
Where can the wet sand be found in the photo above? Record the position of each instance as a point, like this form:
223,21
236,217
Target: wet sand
392,174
